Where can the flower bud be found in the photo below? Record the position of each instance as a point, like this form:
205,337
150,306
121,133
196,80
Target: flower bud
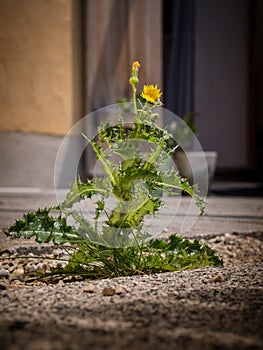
133,80
136,65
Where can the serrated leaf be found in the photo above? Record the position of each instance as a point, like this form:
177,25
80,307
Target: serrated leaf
44,227
172,181
79,191
106,164
131,214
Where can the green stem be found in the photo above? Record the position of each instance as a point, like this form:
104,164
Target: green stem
134,99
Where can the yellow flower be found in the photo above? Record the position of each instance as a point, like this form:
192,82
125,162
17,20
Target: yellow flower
136,65
151,93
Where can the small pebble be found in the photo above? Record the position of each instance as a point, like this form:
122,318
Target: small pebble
119,289
108,291
39,284
218,278
4,273
90,288
55,253
19,271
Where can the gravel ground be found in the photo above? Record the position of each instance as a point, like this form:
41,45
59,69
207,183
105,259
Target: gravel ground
209,308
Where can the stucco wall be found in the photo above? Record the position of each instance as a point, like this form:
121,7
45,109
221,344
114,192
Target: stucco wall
36,66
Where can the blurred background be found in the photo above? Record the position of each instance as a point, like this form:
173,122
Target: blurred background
62,59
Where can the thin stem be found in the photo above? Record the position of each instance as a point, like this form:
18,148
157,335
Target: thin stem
134,99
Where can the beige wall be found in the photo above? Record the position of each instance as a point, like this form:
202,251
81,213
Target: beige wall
37,61
41,75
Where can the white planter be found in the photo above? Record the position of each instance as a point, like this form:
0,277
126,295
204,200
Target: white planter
197,162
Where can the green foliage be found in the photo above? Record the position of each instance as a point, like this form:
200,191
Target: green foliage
115,242
95,261
44,228
120,246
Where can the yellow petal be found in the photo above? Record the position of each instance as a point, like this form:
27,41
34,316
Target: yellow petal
151,93
135,65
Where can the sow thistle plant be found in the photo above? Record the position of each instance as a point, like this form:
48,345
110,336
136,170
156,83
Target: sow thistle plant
116,241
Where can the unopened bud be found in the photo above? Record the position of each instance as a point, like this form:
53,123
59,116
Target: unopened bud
133,80
136,65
